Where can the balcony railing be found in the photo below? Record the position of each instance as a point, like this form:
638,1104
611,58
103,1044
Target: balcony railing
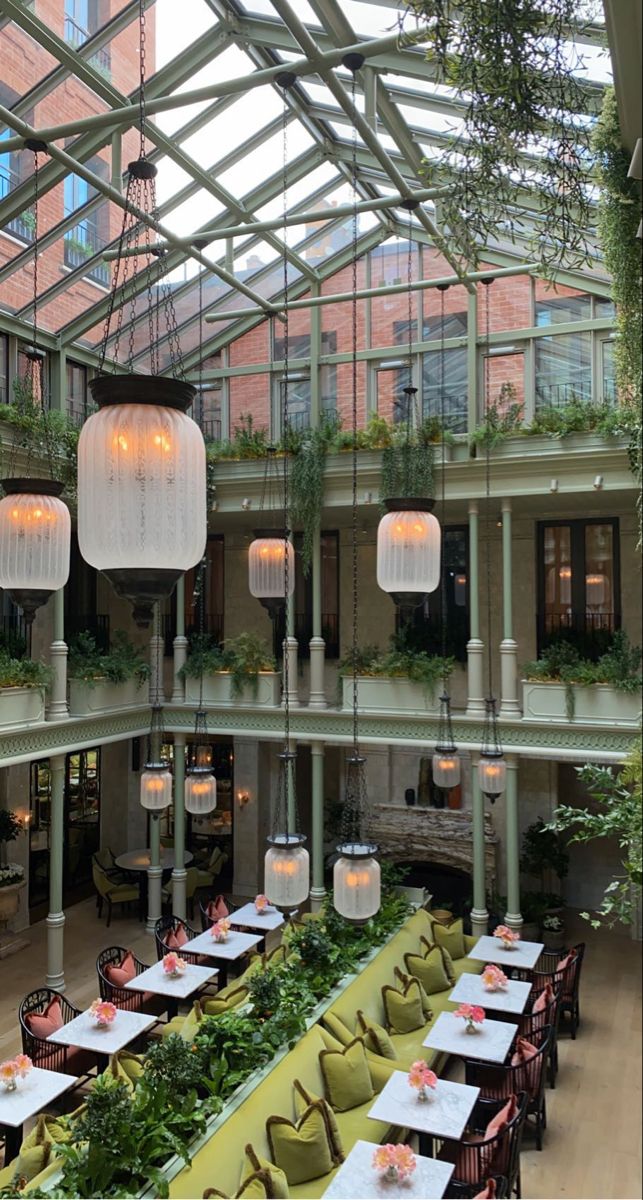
75,36
557,395
81,243
212,625
590,632
22,226
210,428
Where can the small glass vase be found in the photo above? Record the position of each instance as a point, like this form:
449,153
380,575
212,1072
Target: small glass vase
423,1093
391,1174
508,945
470,1027
11,1085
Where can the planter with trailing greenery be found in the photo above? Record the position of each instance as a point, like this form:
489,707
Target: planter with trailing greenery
106,682
22,691
561,685
577,424
242,671
397,680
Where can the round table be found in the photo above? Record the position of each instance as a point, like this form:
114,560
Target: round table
138,861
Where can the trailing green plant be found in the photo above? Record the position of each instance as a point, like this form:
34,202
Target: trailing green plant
243,657
503,419
246,442
544,850
619,667
23,672
618,815
399,663
46,438
307,483
579,416
121,662
518,78
408,469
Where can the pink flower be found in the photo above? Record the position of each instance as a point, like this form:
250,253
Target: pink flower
421,1075
400,1157
220,930
471,1012
384,1157
103,1011
493,978
506,934
23,1065
173,964
261,902
8,1071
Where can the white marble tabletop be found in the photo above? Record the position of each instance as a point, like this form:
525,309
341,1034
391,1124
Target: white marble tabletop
522,954
236,945
357,1179
512,998
32,1094
490,1042
156,980
444,1114
83,1031
248,916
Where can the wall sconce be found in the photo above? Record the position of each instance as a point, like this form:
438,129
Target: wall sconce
553,485
243,798
598,482
24,818
368,497
245,504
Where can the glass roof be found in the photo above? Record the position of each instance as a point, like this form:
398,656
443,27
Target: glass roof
220,155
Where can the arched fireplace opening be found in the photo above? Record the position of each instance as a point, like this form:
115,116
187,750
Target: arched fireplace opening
449,887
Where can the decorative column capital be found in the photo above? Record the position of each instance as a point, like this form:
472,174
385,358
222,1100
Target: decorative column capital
506,505
474,508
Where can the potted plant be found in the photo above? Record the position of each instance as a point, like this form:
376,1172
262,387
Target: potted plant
242,671
561,684
22,691
12,875
399,680
545,853
553,932
105,682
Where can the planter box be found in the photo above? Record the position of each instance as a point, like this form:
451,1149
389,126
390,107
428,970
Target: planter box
542,443
85,700
382,694
596,705
217,690
21,706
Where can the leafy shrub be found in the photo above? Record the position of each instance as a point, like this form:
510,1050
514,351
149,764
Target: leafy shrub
23,672
399,663
243,657
561,662
123,661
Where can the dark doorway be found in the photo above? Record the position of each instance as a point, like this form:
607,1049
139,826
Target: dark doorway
449,887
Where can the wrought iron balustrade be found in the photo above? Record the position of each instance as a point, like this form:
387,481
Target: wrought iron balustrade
82,243
76,36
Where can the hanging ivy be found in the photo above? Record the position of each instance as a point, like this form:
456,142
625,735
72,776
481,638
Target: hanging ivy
514,69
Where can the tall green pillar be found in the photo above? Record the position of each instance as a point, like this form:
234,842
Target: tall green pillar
56,918
513,915
180,644
155,871
317,891
57,706
179,873
509,706
479,914
475,645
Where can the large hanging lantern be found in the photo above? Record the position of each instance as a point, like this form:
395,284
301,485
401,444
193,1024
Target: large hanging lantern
268,579
356,873
141,487
492,768
446,761
35,533
408,550
156,786
200,783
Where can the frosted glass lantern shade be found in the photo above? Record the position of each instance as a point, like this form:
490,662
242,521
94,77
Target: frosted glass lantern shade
200,792
267,558
595,590
446,769
35,533
492,772
142,516
408,552
287,870
156,787
356,882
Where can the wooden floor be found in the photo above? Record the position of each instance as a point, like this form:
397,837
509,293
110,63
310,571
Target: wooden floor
592,1144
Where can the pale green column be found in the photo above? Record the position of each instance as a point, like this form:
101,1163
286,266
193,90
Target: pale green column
472,360
58,379
508,647
179,873
317,695
513,915
55,977
317,891
154,871
475,645
57,707
479,914
180,644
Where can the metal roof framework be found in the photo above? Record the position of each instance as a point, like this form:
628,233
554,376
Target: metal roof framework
402,113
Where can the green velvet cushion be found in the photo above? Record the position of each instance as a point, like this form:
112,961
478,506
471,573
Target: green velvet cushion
185,1025
255,1187
39,1145
429,970
253,1164
303,1099
346,1076
403,1008
404,979
303,1150
451,938
224,1003
375,1036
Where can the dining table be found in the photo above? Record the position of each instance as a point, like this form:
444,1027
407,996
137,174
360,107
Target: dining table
32,1094
137,862
443,1114
177,987
102,1041
358,1179
511,998
490,1041
235,947
521,956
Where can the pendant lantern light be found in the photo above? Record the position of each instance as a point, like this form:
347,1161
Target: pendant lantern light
142,517
492,768
286,862
35,526
156,777
408,536
200,789
356,872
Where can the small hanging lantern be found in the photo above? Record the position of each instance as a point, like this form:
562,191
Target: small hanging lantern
200,783
156,786
268,580
356,873
492,768
446,761
35,534
141,487
286,863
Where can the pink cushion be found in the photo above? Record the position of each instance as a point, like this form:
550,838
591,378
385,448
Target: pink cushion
121,974
487,1193
522,1057
217,909
503,1118
544,999
566,961
46,1022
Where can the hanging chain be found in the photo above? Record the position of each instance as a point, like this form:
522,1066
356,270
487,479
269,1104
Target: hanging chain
443,505
286,425
34,336
354,426
487,408
141,99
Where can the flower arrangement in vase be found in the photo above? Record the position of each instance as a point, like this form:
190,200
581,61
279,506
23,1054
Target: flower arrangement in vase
394,1162
14,1069
507,936
220,930
494,978
261,904
422,1077
103,1012
173,965
472,1014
